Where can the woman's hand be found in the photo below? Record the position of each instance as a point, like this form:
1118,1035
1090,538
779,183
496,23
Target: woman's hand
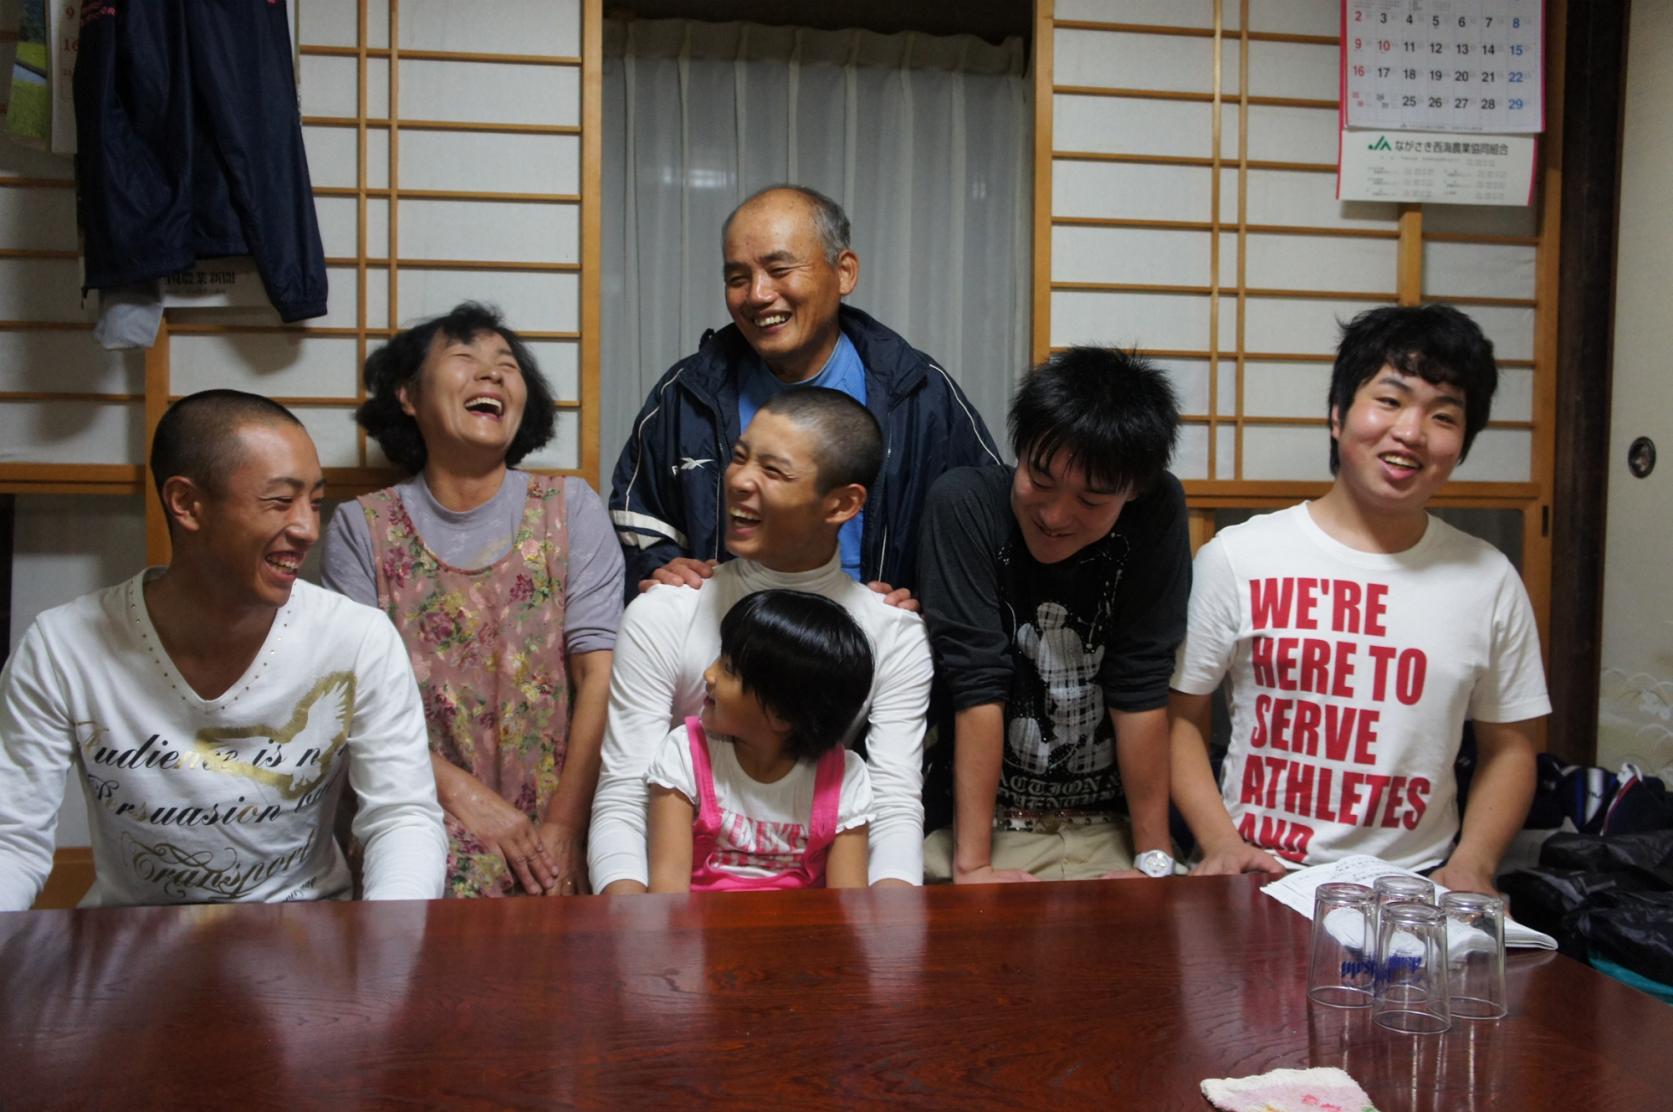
567,850
500,827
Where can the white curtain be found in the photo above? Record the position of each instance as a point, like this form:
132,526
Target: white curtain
924,140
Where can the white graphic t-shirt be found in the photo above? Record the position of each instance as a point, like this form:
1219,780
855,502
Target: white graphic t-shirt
1351,676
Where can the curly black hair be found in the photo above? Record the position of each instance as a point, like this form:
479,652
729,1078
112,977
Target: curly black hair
397,364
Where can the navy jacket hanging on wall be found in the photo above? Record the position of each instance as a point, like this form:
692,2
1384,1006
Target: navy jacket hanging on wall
189,146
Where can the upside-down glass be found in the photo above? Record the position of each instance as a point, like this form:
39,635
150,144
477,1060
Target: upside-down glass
1398,886
1475,942
1340,968
1411,981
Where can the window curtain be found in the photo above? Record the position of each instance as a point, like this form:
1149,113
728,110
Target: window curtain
924,140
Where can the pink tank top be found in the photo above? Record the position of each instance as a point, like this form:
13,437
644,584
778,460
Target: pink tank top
706,876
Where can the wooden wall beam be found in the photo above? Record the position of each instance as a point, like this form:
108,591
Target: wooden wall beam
1592,112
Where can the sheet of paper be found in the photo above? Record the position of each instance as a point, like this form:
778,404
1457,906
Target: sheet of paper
1295,891
1434,167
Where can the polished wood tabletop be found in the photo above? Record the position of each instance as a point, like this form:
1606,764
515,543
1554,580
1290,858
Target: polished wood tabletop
1113,994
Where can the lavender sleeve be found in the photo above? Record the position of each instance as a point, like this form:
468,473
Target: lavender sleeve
593,598
346,563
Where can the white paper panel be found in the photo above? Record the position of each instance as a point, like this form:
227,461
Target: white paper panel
1225,447
1298,17
43,289
264,363
563,451
73,361
1190,382
326,22
71,432
1231,65
377,227
1190,457
1322,263
502,27
377,88
1498,456
333,430
1306,327
1143,320
1119,125
1482,220
531,302
1302,199
1286,389
1286,452
332,154
1156,13
377,155
490,92
1116,60
329,86
1514,399
338,224
1284,134
1132,191
1285,69
1226,400
559,361
487,161
1478,270
38,219
1511,330
503,232
377,21
1129,255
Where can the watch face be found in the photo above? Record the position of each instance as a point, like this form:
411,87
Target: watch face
1155,863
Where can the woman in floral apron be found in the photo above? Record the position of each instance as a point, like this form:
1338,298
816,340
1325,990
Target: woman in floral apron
506,587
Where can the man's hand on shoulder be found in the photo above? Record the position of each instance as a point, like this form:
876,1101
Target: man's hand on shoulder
681,571
898,597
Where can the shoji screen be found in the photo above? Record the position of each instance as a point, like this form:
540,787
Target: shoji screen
1185,204
454,155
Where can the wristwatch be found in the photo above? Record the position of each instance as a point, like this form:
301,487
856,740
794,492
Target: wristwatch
1154,863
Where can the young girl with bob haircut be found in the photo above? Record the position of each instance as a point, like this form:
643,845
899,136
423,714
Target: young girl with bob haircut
778,802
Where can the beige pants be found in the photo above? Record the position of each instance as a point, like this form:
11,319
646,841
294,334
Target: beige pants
1084,852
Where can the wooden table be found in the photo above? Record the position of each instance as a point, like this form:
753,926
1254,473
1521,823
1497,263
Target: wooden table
1118,995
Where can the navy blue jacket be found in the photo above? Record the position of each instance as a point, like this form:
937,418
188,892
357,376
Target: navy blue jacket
666,498
189,146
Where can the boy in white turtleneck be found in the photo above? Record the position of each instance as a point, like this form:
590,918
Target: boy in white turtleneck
798,472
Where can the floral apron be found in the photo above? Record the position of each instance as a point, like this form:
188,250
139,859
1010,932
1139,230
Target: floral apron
487,647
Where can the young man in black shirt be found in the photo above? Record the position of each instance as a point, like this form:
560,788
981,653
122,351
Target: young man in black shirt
1056,596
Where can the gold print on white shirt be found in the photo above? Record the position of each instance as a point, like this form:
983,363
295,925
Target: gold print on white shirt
320,721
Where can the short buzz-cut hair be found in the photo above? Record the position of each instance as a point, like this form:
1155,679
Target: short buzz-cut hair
848,443
197,437
1436,342
805,660
828,218
1109,412
397,365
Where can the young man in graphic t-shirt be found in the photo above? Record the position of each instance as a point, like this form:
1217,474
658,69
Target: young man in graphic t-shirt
214,711
1357,634
1055,596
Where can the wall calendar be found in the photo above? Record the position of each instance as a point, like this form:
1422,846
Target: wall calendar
1444,65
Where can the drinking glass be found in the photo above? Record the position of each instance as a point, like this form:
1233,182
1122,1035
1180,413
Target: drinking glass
1410,993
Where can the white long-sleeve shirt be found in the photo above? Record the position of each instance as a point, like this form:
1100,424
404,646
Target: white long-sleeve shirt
232,798
670,634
